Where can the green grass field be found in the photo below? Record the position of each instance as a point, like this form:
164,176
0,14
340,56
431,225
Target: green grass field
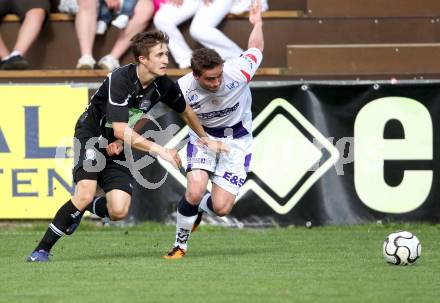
328,264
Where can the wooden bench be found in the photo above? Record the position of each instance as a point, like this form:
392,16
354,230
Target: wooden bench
315,41
75,75
279,32
363,59
60,35
373,8
271,14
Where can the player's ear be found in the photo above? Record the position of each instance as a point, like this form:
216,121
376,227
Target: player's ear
142,59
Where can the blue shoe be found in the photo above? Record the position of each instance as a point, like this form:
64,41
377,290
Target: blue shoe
38,256
74,225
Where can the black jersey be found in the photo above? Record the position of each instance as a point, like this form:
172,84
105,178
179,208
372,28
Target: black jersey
121,98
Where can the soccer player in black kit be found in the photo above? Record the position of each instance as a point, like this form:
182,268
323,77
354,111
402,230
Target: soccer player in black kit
126,94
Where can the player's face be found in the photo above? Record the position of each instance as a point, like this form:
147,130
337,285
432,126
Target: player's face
157,60
211,79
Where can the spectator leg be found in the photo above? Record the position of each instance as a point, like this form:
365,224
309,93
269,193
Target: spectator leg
143,12
167,19
85,25
29,30
203,29
4,51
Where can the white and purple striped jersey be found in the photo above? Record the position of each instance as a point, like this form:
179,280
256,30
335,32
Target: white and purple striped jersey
229,107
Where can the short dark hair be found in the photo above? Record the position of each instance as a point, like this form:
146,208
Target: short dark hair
141,43
204,58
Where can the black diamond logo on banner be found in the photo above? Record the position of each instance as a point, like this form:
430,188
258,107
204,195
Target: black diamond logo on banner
289,156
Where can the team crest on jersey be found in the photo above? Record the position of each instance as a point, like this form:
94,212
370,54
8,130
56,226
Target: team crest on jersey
193,97
232,85
144,105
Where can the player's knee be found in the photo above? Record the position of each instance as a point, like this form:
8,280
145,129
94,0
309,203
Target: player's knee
84,199
194,196
222,211
118,213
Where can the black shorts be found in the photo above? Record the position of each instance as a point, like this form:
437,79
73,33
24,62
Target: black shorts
110,175
21,7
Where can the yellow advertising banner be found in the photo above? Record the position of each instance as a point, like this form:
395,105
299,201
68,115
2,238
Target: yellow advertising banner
36,158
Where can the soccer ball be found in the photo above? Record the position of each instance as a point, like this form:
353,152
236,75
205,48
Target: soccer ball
401,248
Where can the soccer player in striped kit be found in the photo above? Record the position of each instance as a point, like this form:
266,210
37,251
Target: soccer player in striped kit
218,92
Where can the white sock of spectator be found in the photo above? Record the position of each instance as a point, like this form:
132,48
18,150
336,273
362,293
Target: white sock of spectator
108,62
68,6
121,21
101,27
14,53
86,62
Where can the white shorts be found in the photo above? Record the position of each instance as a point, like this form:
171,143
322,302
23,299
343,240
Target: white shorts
228,171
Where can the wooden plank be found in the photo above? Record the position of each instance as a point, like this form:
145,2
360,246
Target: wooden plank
271,14
45,52
363,59
287,5
373,8
97,73
52,17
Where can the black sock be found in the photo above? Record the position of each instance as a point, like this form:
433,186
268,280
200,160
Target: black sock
209,204
65,216
99,207
187,209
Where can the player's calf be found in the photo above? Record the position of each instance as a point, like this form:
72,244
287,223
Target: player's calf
76,221
186,216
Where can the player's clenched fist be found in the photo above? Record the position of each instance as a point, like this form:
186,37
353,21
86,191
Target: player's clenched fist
115,148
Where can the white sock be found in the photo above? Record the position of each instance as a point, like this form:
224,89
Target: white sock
121,21
183,230
101,27
14,53
203,206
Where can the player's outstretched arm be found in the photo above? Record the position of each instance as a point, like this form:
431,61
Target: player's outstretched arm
192,121
256,38
123,132
116,147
